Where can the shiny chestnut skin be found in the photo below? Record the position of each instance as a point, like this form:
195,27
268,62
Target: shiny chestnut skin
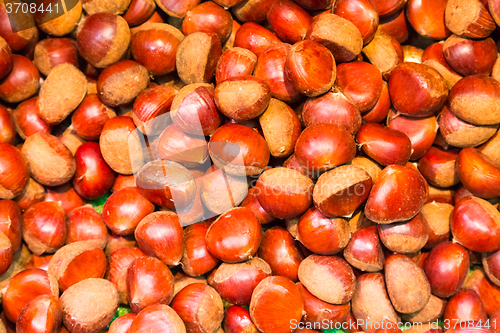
89,118
15,173
288,20
362,13
398,195
364,250
154,45
386,8
424,84
7,129
438,167
27,120
239,150
17,37
208,16
385,145
5,58
318,76
415,233
362,82
54,51
139,12
478,173
469,57
84,223
324,146
177,8
177,146
469,19
235,62
381,109
196,259
66,196
234,244
42,310
427,18
433,56
237,319
22,82
475,224
271,67
11,221
447,279
255,38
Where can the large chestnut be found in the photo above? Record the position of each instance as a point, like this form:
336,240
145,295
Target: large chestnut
478,173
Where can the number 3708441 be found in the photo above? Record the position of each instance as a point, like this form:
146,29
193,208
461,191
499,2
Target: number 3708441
19,7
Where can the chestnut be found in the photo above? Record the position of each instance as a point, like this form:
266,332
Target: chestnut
329,278
154,45
324,146
387,8
176,146
398,195
490,148
237,319
478,173
197,57
395,26
208,17
345,44
177,8
22,82
400,272
385,145
193,110
405,237
42,311
381,108
122,324
276,302
89,118
464,306
278,240
59,24
289,21
459,133
27,120
50,162
118,263
236,282
200,308
254,37
384,52
5,58
93,177
468,18
473,216
125,209
284,193
428,90
437,215
19,33
15,172
446,268
196,259
316,78
242,98
433,56
24,287
364,250
85,223
433,310
238,150
64,195
153,103
420,131
158,289
351,189
120,83
362,13
235,62
335,108
54,51
460,53
281,127
412,53
427,18
11,221
231,244
102,39
7,129
489,293
438,167
474,99
370,287
139,12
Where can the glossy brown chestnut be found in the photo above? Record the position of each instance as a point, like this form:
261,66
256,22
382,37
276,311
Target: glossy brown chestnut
468,56
395,26
289,21
159,288
125,209
232,242
437,215
43,311
364,250
478,173
384,52
362,82
5,58
119,261
280,252
427,18
22,82
7,129
122,324
464,306
271,67
238,150
54,51
237,319
196,259
251,10
381,109
332,108
386,8
102,39
385,145
235,62
139,12
177,146
255,38
236,282
14,176
405,237
362,13
276,302
398,195
487,291
447,279
84,223
318,76
11,221
438,167
284,193
27,120
163,316
433,56
177,8
208,17
24,31
468,18
475,99
66,196
89,118
160,234
154,45
323,147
